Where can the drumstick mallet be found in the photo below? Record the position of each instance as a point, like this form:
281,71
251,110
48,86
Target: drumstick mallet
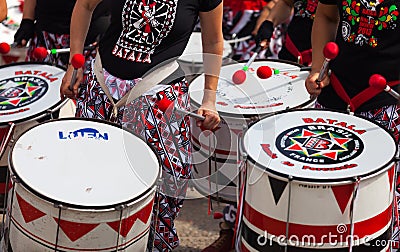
41,52
379,82
77,61
4,48
331,50
164,104
264,32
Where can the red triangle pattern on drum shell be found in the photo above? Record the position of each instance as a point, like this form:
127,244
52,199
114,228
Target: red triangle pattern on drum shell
29,212
126,224
75,230
343,195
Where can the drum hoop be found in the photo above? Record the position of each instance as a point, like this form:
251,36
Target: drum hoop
377,171
39,114
69,205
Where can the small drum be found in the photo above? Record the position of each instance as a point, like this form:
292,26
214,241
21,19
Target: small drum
191,59
317,180
238,105
8,28
29,94
80,185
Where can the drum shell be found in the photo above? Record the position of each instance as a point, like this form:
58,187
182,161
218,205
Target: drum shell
41,224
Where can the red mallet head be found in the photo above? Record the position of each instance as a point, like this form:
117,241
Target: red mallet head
239,76
377,81
164,104
264,72
78,60
331,50
4,48
40,53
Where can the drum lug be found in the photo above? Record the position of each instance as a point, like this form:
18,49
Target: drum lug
121,207
15,179
60,206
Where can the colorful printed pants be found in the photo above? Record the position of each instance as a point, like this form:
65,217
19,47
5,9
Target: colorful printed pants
168,133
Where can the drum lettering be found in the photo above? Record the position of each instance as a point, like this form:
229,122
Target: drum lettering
336,123
131,55
309,186
86,132
38,73
307,159
343,167
267,149
15,112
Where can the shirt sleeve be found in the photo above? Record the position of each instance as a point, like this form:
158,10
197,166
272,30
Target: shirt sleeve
208,5
330,2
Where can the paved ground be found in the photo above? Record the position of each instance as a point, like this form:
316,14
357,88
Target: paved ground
195,227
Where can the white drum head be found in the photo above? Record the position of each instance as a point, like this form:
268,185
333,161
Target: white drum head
27,90
256,96
319,145
193,50
84,163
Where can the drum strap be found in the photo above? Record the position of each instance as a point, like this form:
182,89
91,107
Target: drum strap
361,97
149,80
304,57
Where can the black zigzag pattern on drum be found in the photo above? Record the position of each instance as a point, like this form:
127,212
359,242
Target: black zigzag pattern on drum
277,188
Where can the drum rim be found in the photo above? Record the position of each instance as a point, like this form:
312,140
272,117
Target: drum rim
249,116
377,171
39,114
11,167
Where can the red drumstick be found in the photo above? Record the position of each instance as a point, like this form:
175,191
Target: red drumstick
240,75
165,104
77,61
378,81
41,52
331,50
4,48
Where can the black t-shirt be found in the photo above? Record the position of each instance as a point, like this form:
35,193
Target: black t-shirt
143,33
368,37
299,28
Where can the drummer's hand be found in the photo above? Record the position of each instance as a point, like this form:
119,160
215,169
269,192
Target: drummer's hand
25,32
313,87
65,90
263,34
212,119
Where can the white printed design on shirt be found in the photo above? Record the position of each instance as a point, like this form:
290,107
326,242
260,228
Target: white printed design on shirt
145,24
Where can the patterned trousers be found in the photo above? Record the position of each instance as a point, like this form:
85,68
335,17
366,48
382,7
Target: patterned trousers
168,132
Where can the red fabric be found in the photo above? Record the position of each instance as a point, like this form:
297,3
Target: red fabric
304,57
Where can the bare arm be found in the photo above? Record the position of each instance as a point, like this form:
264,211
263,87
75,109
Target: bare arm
29,9
3,10
280,13
80,22
213,43
324,30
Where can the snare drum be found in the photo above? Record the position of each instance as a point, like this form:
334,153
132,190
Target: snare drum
317,180
238,105
78,185
29,94
191,59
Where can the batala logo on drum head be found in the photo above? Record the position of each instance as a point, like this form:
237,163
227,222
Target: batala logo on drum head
319,144
21,91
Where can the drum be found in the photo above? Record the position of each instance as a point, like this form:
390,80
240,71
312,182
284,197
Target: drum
191,60
8,28
215,169
29,94
317,180
78,185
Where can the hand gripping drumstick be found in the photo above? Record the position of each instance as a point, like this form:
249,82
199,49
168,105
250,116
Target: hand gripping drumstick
77,61
330,51
378,81
164,104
